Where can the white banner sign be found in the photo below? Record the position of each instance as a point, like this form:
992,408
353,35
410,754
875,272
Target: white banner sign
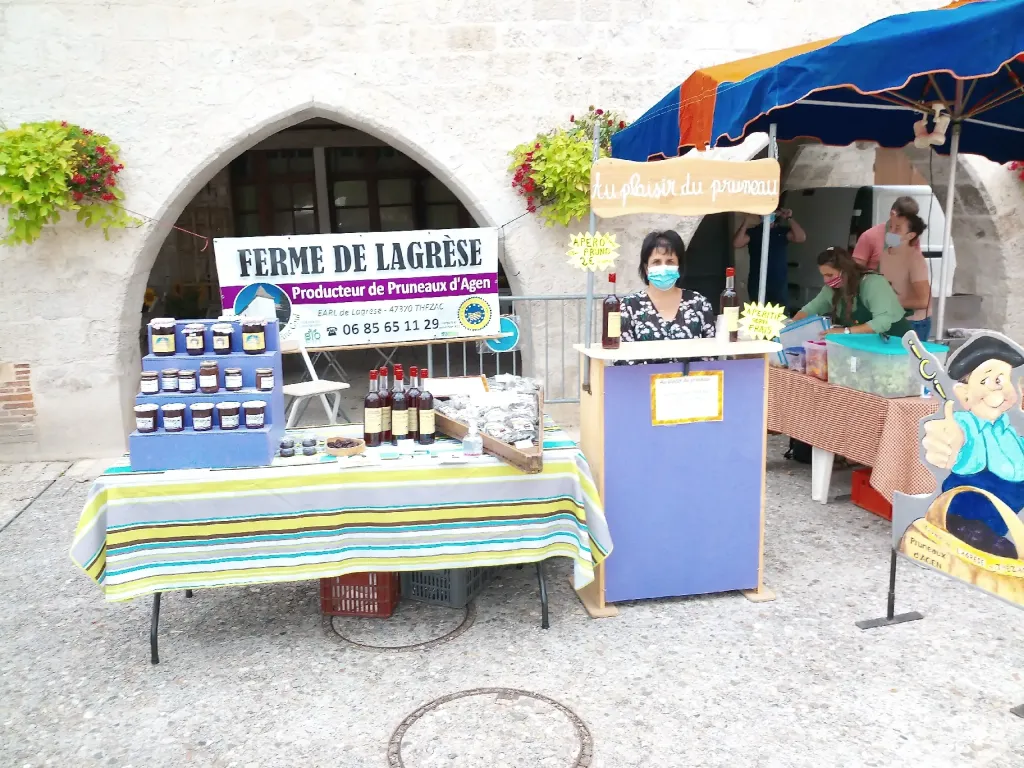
372,288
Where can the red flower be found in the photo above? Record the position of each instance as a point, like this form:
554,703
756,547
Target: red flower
78,179
622,123
572,118
77,195
529,185
110,181
95,177
107,196
87,132
610,122
63,123
101,150
535,146
599,112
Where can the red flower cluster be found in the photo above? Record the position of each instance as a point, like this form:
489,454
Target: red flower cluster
1017,166
96,175
523,181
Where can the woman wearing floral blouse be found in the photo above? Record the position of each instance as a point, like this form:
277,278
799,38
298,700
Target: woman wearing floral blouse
664,310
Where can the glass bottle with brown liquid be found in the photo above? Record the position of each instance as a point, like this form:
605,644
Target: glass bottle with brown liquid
372,414
426,411
399,408
413,393
385,405
730,305
611,318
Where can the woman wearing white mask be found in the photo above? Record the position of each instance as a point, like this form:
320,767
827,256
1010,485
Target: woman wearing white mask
889,234
664,309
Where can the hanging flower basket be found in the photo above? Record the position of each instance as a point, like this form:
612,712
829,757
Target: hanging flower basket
552,172
54,167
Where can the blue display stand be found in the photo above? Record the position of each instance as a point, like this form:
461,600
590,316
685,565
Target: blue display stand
215,448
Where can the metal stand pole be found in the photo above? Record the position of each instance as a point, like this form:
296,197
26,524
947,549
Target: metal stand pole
154,626
766,223
543,595
939,328
890,617
588,321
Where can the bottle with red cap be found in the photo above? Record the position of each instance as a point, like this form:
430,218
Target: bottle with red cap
425,410
399,408
611,325
413,393
385,406
730,305
372,414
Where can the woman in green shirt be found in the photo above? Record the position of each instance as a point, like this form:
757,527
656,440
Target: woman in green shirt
857,301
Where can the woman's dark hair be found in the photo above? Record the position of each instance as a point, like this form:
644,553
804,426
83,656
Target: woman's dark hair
669,240
845,296
917,227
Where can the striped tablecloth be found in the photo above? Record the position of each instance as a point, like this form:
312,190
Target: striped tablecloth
142,533
878,432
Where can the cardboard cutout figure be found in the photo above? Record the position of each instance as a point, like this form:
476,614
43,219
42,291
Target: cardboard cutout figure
970,528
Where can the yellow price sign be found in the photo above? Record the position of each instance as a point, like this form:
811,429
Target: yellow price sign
762,321
592,252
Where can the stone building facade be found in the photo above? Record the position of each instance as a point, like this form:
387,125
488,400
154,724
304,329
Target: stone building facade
185,86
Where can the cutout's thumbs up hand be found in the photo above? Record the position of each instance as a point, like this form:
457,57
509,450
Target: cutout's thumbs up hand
943,439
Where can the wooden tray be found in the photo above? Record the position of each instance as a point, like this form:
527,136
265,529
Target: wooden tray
529,460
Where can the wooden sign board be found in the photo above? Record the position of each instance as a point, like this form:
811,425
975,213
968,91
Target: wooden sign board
684,186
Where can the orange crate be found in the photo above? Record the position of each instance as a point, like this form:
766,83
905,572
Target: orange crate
360,594
866,497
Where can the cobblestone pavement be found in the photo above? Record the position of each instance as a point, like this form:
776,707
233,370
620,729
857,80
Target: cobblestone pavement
253,677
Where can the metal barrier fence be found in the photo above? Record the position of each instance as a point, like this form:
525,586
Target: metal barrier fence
548,325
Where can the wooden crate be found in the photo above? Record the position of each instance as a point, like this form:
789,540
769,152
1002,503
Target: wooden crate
529,460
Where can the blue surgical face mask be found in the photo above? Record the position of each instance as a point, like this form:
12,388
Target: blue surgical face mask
892,240
662,277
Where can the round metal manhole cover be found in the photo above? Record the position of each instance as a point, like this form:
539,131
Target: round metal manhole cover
491,728
413,627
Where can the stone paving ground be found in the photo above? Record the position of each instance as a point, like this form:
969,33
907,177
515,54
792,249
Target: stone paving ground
253,677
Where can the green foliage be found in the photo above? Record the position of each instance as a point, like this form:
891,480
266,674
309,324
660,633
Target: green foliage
53,167
553,171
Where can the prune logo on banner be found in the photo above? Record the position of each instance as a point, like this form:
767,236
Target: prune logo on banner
373,288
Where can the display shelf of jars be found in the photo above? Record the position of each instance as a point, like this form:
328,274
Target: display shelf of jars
210,396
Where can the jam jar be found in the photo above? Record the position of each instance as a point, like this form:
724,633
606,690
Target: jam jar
173,417
169,379
254,336
149,384
232,379
202,416
145,418
187,382
255,413
265,379
227,415
222,333
195,338
161,335
209,377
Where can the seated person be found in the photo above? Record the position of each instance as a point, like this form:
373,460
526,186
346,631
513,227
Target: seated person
857,302
979,445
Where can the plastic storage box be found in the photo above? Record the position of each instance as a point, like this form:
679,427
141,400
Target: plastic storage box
795,359
453,588
816,359
869,363
866,497
799,331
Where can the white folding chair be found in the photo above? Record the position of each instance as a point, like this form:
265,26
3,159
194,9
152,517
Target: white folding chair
303,391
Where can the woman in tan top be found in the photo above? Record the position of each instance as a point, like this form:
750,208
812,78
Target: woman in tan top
906,270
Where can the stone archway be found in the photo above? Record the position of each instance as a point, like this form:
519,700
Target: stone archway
201,174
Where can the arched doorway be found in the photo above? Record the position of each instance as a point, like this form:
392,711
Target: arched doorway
316,177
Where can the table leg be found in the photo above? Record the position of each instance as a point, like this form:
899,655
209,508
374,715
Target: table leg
543,595
154,626
188,593
821,473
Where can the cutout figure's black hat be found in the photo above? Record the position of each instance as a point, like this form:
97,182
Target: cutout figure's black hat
977,351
